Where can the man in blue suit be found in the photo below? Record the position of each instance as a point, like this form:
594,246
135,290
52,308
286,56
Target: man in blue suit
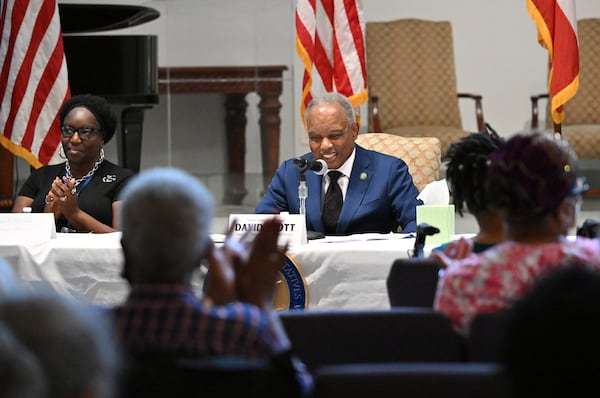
377,189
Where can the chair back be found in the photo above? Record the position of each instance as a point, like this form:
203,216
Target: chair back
583,107
412,282
422,155
411,380
486,336
581,126
330,337
410,64
162,377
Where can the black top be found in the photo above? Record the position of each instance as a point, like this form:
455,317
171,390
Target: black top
95,198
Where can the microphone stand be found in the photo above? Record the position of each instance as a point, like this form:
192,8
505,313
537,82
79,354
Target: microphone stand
423,231
302,193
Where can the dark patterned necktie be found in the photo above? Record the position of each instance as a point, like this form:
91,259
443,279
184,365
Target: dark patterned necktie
332,203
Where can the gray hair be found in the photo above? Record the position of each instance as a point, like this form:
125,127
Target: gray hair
329,98
165,219
70,339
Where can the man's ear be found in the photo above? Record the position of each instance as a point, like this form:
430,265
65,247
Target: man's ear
355,129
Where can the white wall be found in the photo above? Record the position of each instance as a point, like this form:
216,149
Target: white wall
495,44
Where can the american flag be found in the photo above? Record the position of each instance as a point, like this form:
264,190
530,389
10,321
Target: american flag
557,32
33,79
330,43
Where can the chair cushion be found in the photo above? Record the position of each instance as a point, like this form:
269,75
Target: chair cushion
446,135
421,154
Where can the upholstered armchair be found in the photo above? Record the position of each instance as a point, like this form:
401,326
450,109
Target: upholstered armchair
581,127
412,80
422,155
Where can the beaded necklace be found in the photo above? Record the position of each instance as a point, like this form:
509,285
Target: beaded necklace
85,177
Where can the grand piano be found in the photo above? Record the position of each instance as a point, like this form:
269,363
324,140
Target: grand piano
121,68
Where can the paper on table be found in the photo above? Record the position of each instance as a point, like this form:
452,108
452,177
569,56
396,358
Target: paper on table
435,193
361,237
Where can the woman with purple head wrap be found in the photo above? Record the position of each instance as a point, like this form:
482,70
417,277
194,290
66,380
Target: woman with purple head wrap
532,181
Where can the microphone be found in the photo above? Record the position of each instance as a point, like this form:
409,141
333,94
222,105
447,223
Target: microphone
423,230
318,166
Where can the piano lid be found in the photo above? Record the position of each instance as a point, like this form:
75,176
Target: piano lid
85,18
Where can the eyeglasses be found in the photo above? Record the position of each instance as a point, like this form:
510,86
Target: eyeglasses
83,132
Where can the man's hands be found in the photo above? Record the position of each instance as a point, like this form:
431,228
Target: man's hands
246,271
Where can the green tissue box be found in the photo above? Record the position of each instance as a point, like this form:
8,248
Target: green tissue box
440,216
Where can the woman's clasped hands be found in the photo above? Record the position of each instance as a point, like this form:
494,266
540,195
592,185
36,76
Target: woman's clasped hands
62,197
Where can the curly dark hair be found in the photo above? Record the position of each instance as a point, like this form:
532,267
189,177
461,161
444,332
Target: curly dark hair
530,176
101,109
467,169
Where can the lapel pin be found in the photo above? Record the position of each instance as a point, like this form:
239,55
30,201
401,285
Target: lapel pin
363,176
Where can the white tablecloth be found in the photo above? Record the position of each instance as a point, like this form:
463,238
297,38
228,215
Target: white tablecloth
350,272
87,266
341,272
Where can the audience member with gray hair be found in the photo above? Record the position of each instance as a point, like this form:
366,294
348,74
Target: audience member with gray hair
165,218
71,341
21,375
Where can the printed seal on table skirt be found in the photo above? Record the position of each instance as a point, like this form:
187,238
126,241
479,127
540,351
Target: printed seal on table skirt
291,289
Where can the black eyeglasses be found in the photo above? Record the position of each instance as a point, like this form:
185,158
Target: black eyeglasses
83,132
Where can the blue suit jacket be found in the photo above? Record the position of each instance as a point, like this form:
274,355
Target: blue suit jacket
381,195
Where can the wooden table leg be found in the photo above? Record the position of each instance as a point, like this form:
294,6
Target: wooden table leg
235,124
6,178
270,123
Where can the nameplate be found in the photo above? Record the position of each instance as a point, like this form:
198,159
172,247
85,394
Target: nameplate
19,227
293,228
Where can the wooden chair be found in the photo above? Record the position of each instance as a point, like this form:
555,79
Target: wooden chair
412,282
411,380
412,80
332,337
581,126
422,155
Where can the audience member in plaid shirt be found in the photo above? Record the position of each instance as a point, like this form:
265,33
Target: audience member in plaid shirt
165,219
